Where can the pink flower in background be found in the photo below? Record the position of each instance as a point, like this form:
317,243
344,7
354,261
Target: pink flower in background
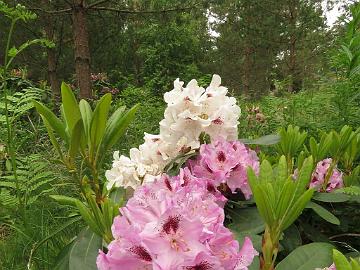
226,162
331,267
174,223
318,176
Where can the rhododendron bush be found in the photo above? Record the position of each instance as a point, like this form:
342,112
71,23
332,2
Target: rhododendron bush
195,196
178,222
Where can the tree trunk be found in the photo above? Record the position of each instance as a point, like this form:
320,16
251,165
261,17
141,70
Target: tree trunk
51,56
292,64
247,69
292,47
81,47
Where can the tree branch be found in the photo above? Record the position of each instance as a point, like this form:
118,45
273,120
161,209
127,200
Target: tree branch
54,12
124,11
100,2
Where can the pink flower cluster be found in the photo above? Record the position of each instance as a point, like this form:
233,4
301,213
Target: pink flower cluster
225,162
174,223
318,176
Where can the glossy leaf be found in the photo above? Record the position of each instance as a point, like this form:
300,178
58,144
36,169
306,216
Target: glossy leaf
82,253
99,119
246,220
117,126
324,213
86,115
75,139
62,260
51,118
331,197
291,239
70,106
340,261
264,140
308,257
65,200
117,195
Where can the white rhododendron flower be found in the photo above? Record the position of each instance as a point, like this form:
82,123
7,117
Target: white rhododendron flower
190,111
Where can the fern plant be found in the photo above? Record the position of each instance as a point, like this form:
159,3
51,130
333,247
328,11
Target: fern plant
20,103
34,179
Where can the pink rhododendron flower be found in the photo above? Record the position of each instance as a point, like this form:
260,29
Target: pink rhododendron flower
318,176
226,162
331,267
174,223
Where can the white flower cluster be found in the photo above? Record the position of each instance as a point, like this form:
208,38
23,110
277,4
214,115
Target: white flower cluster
190,111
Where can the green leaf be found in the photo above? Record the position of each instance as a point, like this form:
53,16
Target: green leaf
75,139
82,253
331,197
86,115
264,140
62,260
13,52
263,205
291,239
304,176
99,119
117,126
246,220
266,172
297,208
117,195
88,217
308,257
340,261
322,212
65,200
52,137
59,229
51,118
355,264
70,107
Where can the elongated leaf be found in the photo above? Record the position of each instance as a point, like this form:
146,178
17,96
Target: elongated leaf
86,115
88,217
99,119
117,126
75,139
304,176
246,220
65,200
85,250
52,137
70,106
331,197
118,113
340,261
51,118
291,239
117,195
322,212
297,208
308,257
266,172
264,140
285,197
62,260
